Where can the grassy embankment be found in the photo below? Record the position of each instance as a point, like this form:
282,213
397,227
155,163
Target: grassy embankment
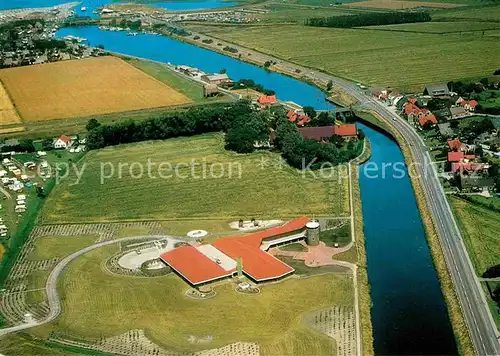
361,54
275,190
95,304
460,329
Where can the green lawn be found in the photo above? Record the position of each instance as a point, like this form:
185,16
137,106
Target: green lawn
441,27
480,231
491,14
97,304
400,59
294,247
161,72
48,247
246,189
494,307
340,235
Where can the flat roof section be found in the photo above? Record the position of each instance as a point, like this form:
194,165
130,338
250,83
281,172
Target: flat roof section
224,261
194,265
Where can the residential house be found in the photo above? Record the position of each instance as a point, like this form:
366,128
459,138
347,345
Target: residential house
437,90
469,105
413,112
455,156
422,121
456,145
458,112
267,100
345,130
218,79
299,118
63,142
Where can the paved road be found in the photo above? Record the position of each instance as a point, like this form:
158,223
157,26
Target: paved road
51,286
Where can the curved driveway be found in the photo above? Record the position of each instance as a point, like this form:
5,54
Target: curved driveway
51,286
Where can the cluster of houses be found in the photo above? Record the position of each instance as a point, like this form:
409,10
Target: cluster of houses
12,175
26,48
469,174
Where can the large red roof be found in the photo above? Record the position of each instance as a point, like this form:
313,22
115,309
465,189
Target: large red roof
455,144
429,118
316,133
345,130
455,156
469,166
256,263
193,265
267,99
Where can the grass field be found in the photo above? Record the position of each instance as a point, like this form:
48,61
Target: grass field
260,192
481,232
189,88
491,13
8,114
401,4
399,59
97,304
48,247
284,12
458,27
83,88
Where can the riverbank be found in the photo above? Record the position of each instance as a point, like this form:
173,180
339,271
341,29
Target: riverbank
365,301
460,329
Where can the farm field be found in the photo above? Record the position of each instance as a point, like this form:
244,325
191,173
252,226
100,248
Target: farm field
8,114
460,27
81,88
481,233
490,13
97,304
401,4
371,56
284,12
274,190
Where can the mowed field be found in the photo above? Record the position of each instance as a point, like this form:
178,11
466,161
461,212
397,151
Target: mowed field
242,185
401,4
97,304
481,232
8,113
81,88
399,59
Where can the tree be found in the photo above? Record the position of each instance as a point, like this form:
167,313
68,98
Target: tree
223,71
309,111
40,192
329,85
47,144
267,64
92,124
245,132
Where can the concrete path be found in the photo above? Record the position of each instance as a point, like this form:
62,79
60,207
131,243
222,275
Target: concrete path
51,285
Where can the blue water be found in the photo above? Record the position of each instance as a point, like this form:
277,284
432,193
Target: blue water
409,314
93,4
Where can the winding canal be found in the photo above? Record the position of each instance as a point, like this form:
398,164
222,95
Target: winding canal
408,310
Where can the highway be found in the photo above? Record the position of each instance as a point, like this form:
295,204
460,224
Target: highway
470,294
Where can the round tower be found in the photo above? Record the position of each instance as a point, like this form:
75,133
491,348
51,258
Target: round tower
312,233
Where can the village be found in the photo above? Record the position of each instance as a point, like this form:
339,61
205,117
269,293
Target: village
463,139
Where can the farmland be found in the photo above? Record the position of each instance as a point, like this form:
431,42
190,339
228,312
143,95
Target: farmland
8,114
84,88
372,56
401,4
265,188
97,304
481,233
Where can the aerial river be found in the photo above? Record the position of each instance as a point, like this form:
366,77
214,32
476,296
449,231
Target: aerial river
408,312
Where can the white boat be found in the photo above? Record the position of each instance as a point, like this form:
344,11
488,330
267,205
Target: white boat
83,8
131,33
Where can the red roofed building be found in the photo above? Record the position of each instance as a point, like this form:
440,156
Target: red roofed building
63,142
455,156
318,133
425,119
267,100
346,130
455,144
300,119
194,266
207,263
469,157
468,167
469,105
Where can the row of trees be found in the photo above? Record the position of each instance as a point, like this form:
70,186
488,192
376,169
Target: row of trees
22,146
195,120
369,19
250,84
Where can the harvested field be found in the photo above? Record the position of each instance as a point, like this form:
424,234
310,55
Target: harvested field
83,88
8,113
401,5
9,130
